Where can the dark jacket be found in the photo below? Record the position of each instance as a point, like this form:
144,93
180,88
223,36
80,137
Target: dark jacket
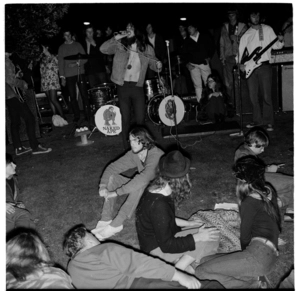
160,47
197,52
95,63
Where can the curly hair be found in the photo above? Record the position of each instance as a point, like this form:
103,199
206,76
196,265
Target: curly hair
138,37
143,136
181,187
25,254
73,240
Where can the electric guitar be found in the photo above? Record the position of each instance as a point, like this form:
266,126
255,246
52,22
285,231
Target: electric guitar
251,61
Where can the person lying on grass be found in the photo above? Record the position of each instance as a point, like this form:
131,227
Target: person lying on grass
28,265
256,140
141,161
159,230
259,231
16,214
95,265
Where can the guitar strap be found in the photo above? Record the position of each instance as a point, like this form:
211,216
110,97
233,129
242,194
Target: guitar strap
261,33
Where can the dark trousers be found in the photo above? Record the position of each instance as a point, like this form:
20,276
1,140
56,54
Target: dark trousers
131,96
261,80
18,110
71,85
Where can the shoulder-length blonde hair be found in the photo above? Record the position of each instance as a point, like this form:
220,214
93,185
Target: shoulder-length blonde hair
25,254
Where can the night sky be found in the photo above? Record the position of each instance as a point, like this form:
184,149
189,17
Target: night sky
166,15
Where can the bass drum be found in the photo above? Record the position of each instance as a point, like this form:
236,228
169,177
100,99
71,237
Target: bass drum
162,110
108,120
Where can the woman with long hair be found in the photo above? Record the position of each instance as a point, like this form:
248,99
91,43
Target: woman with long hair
216,97
50,80
159,230
259,232
132,57
28,265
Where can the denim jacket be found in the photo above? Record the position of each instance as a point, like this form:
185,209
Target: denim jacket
121,58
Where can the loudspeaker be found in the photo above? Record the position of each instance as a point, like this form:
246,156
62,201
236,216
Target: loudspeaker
275,87
287,72
246,102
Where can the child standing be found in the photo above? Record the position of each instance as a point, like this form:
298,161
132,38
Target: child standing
256,140
16,214
260,228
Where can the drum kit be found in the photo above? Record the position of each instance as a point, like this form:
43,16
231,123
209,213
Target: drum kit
162,106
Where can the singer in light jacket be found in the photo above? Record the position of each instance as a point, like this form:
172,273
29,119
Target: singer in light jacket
132,56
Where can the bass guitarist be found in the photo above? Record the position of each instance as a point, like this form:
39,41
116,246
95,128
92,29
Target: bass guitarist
257,67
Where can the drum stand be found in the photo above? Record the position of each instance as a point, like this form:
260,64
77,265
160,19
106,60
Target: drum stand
172,93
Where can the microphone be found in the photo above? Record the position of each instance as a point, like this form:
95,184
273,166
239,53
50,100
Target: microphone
167,42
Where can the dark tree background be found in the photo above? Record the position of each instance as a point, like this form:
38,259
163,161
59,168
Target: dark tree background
27,24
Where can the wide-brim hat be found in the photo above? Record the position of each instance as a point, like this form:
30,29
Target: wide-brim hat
174,165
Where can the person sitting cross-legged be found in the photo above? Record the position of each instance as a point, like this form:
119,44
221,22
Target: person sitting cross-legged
141,161
94,265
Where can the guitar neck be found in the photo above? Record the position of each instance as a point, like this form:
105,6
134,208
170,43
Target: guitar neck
271,43
265,49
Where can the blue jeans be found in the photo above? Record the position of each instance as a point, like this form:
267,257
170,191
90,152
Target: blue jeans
284,186
261,80
239,269
128,207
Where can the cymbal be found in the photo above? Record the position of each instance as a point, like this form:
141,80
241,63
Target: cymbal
77,57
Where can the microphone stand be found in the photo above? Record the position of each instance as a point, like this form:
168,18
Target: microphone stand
241,133
172,93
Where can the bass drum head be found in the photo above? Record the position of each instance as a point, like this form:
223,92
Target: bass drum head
167,110
152,109
108,120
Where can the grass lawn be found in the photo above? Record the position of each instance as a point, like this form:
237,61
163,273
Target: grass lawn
61,188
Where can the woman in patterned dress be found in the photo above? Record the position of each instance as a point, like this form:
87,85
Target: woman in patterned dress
50,79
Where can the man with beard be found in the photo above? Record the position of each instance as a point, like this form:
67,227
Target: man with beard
130,175
130,63
260,80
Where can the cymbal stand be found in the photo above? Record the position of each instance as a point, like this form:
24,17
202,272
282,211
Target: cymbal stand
172,93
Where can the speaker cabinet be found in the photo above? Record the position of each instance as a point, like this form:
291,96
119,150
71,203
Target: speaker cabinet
287,78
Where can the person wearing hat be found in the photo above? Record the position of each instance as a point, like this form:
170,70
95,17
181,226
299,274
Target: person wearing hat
231,33
259,232
159,230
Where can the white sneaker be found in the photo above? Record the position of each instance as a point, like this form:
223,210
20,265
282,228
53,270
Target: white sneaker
101,224
107,232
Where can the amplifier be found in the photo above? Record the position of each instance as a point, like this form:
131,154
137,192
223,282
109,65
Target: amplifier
284,55
44,106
